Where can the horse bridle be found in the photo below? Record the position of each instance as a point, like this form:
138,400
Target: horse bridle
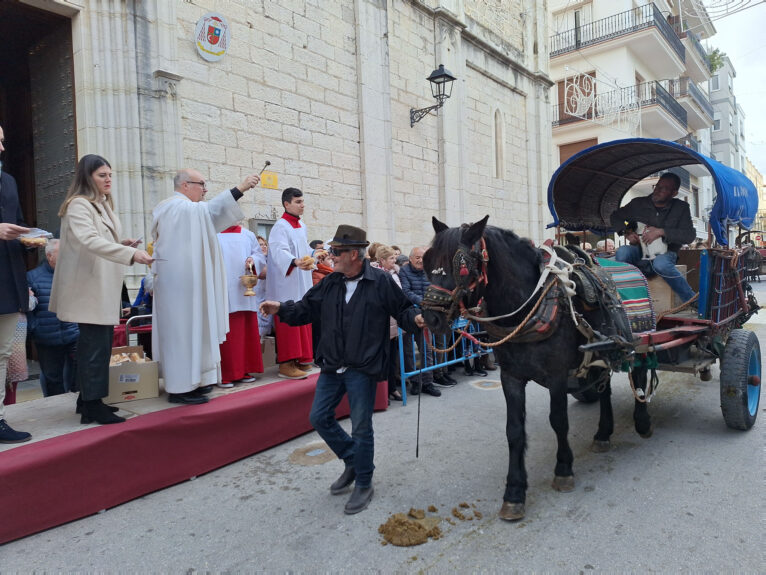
469,271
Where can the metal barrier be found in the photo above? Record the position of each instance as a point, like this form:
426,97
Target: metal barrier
432,360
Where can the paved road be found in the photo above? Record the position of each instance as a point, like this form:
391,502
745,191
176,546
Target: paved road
687,499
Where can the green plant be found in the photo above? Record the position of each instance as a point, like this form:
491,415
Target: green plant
716,60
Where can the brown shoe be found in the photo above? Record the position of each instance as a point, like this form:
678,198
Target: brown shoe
303,366
288,370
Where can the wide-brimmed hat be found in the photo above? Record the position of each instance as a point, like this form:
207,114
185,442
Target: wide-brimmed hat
349,237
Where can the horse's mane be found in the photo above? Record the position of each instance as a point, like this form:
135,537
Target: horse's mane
506,249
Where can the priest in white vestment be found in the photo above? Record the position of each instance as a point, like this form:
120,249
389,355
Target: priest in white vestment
289,278
190,314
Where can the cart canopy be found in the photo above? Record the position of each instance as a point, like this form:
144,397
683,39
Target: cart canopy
589,186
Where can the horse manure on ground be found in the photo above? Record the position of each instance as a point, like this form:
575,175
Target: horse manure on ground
404,531
415,528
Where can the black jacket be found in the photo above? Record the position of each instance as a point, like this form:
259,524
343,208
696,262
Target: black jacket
14,294
353,334
675,219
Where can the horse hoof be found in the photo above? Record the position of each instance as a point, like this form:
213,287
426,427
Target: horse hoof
564,484
599,446
511,511
647,434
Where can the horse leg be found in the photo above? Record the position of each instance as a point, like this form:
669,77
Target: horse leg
516,482
563,479
641,416
601,442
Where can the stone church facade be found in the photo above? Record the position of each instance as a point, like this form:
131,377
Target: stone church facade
322,89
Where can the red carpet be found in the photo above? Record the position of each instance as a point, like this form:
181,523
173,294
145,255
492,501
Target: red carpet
51,482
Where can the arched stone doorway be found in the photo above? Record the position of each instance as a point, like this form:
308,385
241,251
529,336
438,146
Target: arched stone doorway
37,108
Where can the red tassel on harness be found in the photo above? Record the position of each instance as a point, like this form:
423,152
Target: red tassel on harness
463,269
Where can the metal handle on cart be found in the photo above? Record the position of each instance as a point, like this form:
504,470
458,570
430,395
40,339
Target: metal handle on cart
135,317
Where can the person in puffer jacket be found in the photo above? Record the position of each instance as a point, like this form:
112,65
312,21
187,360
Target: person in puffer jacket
55,340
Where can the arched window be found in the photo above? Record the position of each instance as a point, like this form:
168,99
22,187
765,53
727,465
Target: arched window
499,146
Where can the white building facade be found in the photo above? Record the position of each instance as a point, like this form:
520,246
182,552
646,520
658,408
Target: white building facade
625,68
322,89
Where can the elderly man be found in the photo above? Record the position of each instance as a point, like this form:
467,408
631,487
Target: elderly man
353,306
190,309
14,292
55,340
665,217
414,283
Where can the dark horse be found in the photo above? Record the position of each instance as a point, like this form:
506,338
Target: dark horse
478,262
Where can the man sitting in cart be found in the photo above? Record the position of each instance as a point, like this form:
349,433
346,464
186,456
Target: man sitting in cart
665,217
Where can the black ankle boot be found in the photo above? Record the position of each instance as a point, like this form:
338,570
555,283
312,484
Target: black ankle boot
346,478
97,411
78,409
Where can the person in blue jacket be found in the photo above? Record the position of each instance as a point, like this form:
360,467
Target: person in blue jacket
55,340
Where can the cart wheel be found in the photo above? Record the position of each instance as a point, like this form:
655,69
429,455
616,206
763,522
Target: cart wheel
741,379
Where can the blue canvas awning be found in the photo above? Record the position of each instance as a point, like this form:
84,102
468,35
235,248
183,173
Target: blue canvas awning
590,185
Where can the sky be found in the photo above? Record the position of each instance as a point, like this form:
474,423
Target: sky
741,36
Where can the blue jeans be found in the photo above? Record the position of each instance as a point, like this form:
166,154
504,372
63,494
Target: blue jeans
663,265
358,449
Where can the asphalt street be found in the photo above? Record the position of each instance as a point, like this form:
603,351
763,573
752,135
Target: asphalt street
688,499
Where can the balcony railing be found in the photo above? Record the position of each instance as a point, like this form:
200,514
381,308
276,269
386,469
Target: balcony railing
695,41
690,142
685,87
621,24
605,104
654,93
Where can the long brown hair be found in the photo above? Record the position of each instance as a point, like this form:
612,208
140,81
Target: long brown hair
83,185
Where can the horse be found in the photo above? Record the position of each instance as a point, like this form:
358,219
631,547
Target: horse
484,267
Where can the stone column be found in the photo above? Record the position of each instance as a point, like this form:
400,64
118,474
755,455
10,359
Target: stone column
159,108
374,89
453,172
539,131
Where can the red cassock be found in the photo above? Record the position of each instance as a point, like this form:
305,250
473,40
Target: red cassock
293,342
241,352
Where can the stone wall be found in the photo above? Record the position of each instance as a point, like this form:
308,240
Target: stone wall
323,90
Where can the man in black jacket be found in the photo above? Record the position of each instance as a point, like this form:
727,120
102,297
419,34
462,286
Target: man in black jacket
665,217
351,308
14,292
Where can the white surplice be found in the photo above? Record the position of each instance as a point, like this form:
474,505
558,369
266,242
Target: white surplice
236,248
190,313
287,243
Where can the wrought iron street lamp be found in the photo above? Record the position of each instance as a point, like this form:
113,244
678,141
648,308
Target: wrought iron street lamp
441,89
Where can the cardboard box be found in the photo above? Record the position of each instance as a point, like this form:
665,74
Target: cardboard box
664,298
132,380
269,351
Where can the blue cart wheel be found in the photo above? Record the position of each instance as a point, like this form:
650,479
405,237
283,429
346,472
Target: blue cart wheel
741,379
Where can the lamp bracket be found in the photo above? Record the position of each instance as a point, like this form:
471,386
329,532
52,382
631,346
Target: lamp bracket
417,115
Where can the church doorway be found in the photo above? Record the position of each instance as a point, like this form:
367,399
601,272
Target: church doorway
37,108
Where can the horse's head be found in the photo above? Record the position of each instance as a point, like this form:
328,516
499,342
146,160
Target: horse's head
456,267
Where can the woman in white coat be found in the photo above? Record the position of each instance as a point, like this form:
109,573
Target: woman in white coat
88,279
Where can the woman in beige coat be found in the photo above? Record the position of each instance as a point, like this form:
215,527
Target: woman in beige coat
88,279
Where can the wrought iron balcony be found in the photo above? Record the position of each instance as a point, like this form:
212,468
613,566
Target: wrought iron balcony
685,87
695,41
690,142
607,103
649,93
621,24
